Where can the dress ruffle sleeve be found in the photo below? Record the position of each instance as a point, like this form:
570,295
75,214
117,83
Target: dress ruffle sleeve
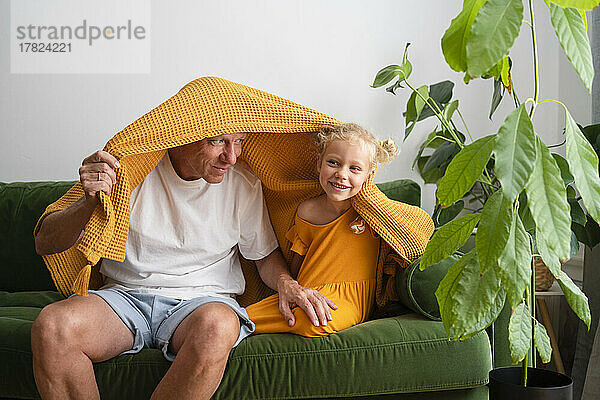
298,245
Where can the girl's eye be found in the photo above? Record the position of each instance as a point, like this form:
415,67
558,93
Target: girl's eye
332,163
355,169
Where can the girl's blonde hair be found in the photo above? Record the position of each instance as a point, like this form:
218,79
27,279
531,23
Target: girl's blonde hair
380,151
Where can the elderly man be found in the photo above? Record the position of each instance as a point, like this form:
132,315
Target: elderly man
176,288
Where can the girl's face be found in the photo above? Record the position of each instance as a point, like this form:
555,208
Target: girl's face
343,168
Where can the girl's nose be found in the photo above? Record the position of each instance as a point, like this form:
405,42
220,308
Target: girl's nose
341,173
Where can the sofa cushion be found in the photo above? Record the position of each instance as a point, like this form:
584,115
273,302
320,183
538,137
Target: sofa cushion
29,299
404,190
400,354
416,288
21,204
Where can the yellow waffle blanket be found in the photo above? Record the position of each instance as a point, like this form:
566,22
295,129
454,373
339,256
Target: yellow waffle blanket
278,149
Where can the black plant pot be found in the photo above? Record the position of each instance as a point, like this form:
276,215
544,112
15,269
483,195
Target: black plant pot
505,384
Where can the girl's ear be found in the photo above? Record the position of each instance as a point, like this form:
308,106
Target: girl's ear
319,164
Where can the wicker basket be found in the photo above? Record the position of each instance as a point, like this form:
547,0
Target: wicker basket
543,277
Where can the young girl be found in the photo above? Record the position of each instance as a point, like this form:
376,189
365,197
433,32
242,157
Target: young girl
334,250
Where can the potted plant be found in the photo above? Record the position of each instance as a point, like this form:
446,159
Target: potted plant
439,149
526,189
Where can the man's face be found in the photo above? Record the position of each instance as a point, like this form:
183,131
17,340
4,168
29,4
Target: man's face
208,159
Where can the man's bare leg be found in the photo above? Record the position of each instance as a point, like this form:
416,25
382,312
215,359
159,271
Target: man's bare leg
202,343
67,337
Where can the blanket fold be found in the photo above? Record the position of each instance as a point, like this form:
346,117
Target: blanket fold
279,149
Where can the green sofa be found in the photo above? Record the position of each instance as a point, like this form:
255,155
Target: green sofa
400,355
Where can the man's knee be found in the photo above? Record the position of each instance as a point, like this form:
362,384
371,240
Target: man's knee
55,326
214,327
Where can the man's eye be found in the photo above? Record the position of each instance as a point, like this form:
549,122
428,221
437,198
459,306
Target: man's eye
217,142
239,141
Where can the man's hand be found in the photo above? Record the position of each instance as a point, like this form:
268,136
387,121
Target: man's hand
273,271
60,230
97,174
314,304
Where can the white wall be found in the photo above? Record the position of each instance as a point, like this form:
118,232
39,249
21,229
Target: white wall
323,54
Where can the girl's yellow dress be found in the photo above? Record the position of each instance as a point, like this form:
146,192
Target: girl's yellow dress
340,261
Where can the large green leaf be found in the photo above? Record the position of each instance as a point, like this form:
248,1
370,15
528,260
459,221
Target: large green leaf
385,75
447,239
577,213
469,301
420,100
447,214
515,152
441,155
542,342
525,214
547,200
574,245
439,94
549,256
563,165
514,265
583,162
493,33
435,139
414,107
449,109
581,4
519,333
575,297
589,234
571,32
592,134
454,41
505,73
432,175
464,170
496,96
493,231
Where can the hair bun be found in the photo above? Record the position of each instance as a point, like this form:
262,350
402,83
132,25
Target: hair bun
387,150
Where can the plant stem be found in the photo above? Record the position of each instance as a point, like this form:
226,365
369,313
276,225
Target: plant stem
532,312
557,145
437,113
535,61
526,360
516,98
553,101
465,124
524,375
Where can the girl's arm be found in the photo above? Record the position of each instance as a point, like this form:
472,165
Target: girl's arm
297,260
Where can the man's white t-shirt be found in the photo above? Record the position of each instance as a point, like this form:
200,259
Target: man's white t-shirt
184,236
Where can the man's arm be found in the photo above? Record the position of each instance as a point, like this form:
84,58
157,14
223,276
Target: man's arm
273,271
60,230
295,265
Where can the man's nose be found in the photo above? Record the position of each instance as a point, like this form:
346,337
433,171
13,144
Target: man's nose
229,156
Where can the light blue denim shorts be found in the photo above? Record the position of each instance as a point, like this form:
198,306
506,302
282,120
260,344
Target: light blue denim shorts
153,318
